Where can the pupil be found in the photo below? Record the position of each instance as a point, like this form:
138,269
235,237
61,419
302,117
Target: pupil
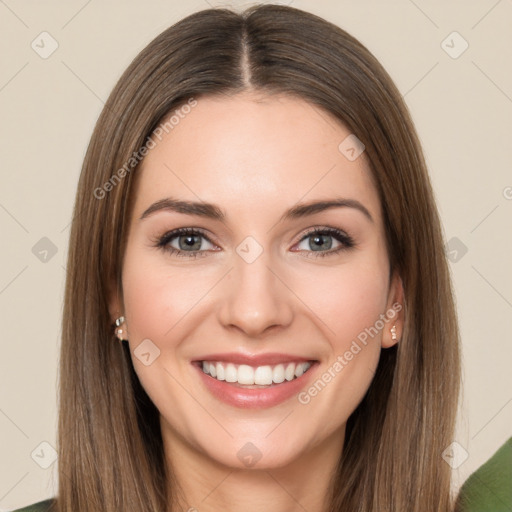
189,242
323,241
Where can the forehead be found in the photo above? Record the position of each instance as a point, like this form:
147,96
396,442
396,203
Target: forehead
251,151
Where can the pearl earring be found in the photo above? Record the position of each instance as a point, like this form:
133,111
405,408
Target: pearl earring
119,332
393,333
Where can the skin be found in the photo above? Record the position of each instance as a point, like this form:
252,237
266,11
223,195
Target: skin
255,156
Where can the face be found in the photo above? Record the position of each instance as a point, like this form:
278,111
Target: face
226,267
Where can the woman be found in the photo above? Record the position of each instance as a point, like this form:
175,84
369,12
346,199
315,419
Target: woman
258,309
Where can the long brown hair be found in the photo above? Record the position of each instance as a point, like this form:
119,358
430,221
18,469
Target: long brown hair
111,455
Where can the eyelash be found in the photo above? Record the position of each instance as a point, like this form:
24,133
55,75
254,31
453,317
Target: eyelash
163,242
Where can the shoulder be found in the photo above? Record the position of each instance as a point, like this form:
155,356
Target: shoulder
42,506
489,488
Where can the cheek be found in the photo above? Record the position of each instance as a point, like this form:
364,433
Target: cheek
347,299
155,297
147,304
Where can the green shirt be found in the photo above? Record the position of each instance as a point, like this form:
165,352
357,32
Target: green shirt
489,488
42,506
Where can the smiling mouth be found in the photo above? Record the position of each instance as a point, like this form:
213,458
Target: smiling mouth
253,377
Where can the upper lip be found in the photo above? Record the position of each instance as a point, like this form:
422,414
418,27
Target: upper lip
272,358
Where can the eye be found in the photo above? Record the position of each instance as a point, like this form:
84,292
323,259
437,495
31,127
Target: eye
193,242
185,242
320,241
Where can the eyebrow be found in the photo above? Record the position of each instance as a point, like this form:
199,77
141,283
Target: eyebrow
212,211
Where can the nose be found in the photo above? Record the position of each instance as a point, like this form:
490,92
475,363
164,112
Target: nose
255,299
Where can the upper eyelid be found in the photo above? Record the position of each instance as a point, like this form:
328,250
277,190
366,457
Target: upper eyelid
175,233
327,229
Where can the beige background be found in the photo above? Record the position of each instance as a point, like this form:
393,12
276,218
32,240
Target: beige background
462,108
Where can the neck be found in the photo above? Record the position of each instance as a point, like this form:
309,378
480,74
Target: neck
204,485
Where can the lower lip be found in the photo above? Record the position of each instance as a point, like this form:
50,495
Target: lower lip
255,398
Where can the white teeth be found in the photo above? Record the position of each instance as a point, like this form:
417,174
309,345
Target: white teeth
245,374
278,374
289,373
231,373
261,375
220,371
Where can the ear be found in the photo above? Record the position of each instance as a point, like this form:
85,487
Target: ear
115,305
116,310
394,313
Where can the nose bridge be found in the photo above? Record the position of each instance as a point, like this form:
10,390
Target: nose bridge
255,298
